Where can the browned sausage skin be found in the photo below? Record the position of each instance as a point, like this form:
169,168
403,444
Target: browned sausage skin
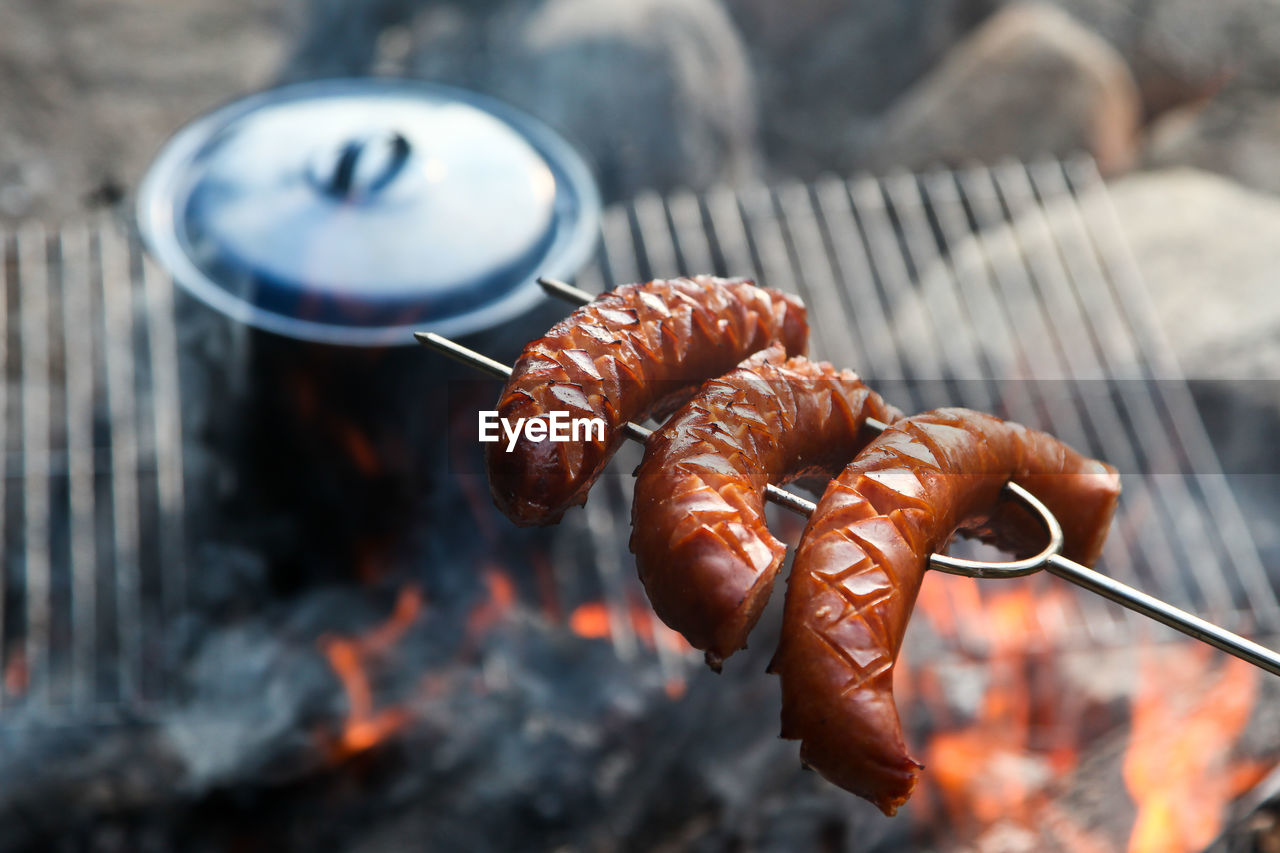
861,559
705,556
619,358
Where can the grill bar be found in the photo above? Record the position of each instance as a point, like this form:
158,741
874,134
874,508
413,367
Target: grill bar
77,342
5,255
117,297
162,341
688,226
34,283
816,279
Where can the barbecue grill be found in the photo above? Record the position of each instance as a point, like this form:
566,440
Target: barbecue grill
93,481
1007,289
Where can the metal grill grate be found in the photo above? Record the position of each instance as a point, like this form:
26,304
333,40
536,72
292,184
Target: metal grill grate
942,289
92,492
953,288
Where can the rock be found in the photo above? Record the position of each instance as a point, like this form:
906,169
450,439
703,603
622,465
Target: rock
658,93
1182,50
827,68
1030,82
1236,134
1208,250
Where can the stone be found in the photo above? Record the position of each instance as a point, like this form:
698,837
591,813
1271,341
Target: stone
1183,50
1236,134
827,68
1029,82
658,93
1208,249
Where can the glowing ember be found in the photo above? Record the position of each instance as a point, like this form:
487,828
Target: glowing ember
359,448
501,598
16,676
590,620
366,726
593,621
997,767
1176,768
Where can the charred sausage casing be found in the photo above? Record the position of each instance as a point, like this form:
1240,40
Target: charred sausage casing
621,358
860,562
705,556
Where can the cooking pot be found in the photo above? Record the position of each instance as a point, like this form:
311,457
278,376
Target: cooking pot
325,222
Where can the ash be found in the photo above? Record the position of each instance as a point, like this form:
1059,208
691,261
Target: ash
504,731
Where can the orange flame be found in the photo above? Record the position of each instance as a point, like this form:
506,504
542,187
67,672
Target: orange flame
366,726
502,597
16,675
359,448
998,766
593,620
1176,767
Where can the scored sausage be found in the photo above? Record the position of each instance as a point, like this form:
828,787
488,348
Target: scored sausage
861,559
620,358
705,556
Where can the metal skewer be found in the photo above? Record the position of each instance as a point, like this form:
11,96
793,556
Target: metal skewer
1049,559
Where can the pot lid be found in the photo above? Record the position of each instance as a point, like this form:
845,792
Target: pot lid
357,211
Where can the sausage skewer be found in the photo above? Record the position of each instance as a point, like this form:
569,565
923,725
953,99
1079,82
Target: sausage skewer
635,352
863,555
1049,559
703,548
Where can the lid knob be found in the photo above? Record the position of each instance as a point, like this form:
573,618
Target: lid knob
361,167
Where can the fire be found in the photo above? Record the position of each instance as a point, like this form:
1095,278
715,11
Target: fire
998,766
16,676
999,770
365,726
359,448
1176,768
501,598
593,620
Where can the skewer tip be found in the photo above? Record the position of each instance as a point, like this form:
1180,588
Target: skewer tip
563,290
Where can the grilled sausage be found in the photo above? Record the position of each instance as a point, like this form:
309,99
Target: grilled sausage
861,559
620,358
705,556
